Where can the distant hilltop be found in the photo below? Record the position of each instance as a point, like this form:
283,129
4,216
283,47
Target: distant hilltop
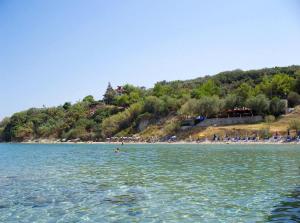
161,112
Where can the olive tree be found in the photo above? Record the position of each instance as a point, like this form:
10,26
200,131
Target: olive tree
210,106
259,104
277,107
189,108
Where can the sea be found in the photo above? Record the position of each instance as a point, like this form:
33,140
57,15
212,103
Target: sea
149,183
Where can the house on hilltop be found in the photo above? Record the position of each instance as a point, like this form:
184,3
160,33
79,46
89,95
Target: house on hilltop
120,90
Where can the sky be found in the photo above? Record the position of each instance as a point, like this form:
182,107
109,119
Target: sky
53,51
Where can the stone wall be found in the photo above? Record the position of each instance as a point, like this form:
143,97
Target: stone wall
230,121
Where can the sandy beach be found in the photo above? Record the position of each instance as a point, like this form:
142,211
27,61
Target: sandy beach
208,142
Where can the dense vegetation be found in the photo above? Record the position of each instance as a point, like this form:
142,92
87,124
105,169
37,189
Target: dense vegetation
120,112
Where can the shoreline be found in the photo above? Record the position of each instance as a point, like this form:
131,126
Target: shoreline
162,143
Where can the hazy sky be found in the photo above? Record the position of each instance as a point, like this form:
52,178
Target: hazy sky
53,51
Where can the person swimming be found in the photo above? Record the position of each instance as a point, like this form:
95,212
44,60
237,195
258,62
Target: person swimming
117,150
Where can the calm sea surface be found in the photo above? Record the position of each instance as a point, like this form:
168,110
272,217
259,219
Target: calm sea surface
149,183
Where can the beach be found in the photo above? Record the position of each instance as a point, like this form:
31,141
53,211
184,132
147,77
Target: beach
182,142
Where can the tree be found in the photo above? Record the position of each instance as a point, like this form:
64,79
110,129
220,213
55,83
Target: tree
210,106
259,104
122,100
89,99
282,85
161,89
297,83
277,107
171,104
231,101
266,86
293,99
109,95
154,105
22,133
78,110
19,128
126,107
4,122
3,125
189,108
208,88
244,91
129,96
67,105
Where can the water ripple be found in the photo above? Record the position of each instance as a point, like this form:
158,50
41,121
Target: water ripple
149,183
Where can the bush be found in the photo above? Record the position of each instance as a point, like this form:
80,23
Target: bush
269,119
294,124
171,127
293,99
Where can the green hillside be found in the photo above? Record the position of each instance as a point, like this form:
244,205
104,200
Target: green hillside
130,110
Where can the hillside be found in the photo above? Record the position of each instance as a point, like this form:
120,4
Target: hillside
280,126
159,111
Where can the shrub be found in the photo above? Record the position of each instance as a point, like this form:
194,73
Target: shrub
171,127
295,125
293,99
269,119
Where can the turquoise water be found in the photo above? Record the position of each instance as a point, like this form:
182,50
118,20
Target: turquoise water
149,183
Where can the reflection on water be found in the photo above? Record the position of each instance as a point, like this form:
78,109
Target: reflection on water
149,183
288,210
